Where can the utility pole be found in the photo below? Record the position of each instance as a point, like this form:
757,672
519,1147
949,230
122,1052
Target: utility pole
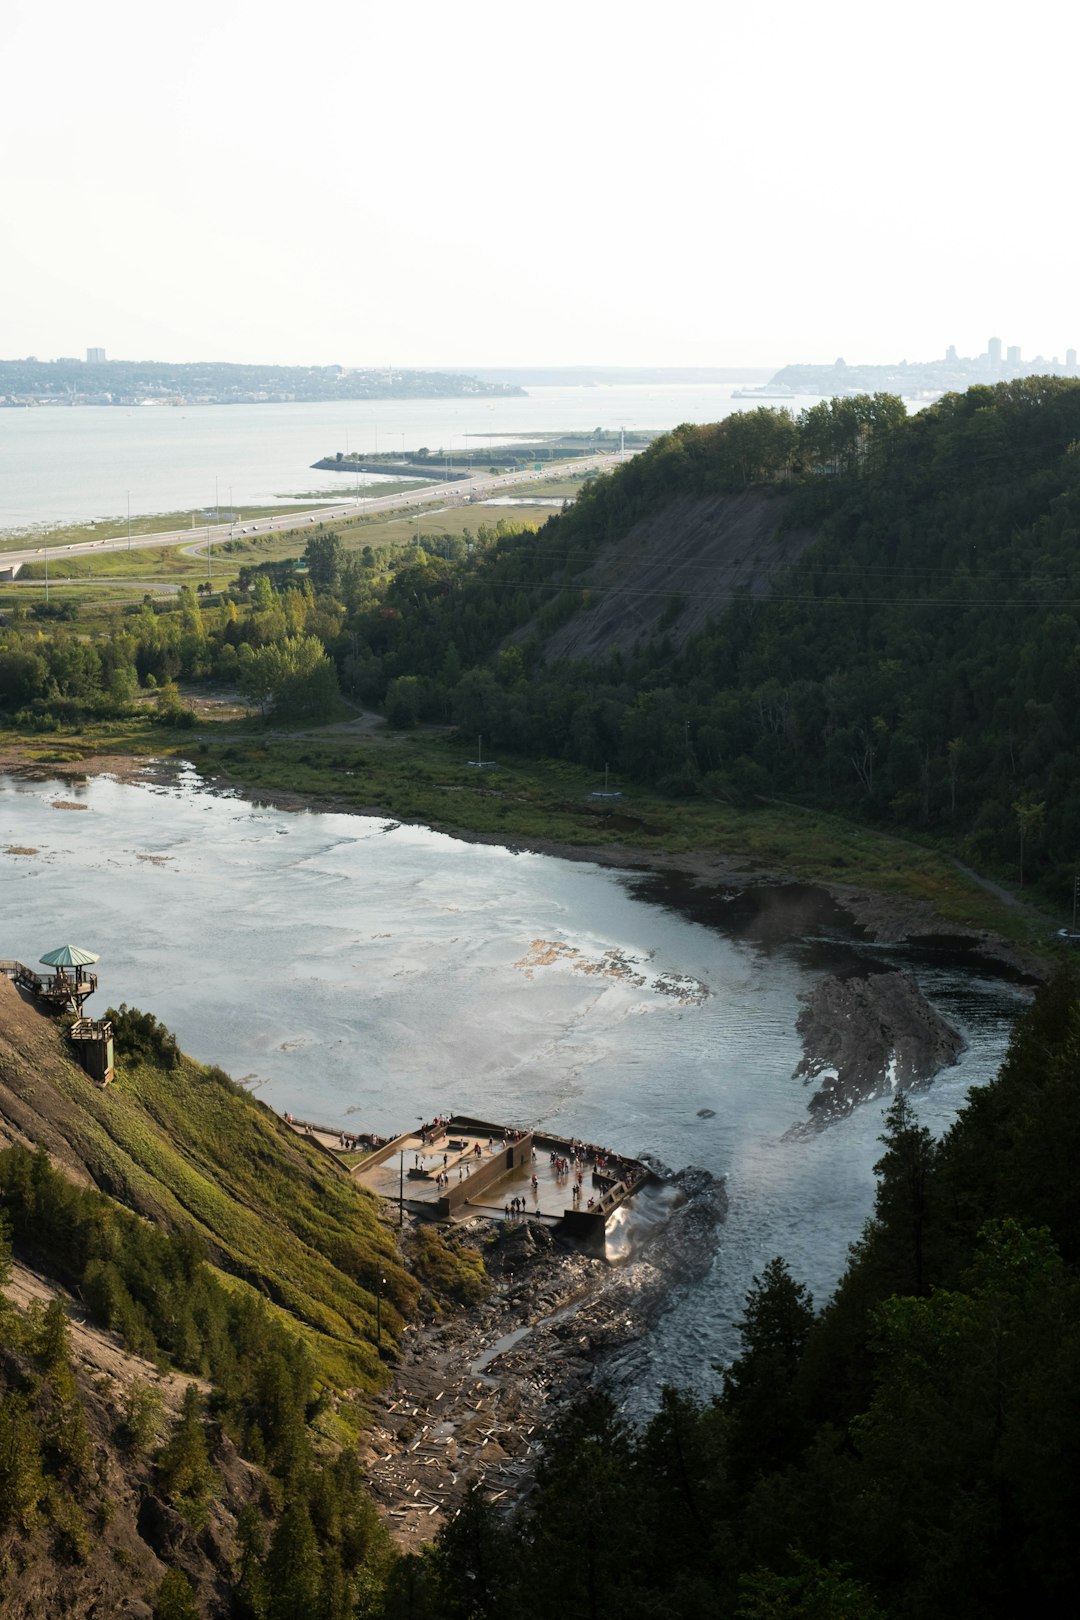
129,519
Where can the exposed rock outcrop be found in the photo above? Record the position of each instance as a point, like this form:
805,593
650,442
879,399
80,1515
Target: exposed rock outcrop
677,567
472,1392
867,1037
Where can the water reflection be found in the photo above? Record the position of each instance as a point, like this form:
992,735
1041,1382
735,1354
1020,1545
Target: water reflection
363,973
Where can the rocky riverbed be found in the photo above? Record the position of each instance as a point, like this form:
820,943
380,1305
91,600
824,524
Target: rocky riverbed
867,1036
473,1393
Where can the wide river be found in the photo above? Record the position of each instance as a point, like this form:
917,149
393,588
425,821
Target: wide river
371,974
71,464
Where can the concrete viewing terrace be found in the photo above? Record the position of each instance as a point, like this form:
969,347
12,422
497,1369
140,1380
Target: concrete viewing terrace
487,1165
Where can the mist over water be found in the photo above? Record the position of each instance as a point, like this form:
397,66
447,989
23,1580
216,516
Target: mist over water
367,974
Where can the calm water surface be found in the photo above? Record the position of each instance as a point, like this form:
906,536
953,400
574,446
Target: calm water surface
369,974
60,464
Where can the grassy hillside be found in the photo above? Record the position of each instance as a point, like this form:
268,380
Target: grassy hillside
184,1146
188,1331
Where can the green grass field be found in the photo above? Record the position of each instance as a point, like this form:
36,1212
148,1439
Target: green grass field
348,492
552,489
157,562
78,578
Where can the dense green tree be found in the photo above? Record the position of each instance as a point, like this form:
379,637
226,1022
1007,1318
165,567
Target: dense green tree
903,1232
323,557
292,676
184,1470
812,1592
22,1482
175,1598
469,1562
293,1566
581,1544
759,1386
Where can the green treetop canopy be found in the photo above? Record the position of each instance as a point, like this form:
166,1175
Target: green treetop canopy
68,956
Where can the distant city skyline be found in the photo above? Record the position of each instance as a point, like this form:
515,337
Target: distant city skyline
475,187
996,361
994,358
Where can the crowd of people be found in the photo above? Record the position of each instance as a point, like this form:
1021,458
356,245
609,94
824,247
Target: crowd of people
569,1162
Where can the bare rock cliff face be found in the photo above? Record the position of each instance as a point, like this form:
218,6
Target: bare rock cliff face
676,568
869,1037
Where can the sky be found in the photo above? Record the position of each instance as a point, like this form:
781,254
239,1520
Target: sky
491,184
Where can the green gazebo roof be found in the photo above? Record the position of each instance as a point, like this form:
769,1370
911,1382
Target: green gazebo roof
68,956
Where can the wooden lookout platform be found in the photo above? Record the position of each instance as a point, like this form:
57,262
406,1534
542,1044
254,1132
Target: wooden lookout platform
65,989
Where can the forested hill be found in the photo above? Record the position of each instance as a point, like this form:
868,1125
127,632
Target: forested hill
852,608
125,382
916,658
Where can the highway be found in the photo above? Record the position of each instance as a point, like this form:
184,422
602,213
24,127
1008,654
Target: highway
459,493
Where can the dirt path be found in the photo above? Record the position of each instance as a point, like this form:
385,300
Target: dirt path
1006,896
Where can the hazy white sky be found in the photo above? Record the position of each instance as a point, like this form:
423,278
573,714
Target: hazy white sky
581,182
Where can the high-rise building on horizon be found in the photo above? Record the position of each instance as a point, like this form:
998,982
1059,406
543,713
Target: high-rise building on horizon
1012,354
95,357
1070,359
993,351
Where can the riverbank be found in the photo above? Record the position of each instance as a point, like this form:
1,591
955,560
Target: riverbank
892,891
353,965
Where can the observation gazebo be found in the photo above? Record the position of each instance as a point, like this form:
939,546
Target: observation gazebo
64,991
69,985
